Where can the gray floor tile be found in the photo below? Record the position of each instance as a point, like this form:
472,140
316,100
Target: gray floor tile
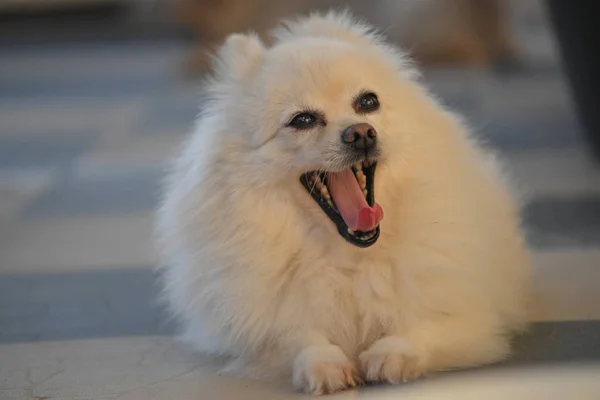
559,341
48,151
113,87
172,110
560,222
522,133
79,305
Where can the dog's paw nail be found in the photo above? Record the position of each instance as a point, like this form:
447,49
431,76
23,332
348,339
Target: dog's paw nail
391,360
324,369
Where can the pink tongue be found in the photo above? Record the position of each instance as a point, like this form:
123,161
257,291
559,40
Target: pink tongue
351,202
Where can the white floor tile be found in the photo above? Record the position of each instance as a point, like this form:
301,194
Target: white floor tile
566,285
145,368
40,118
564,173
18,187
78,243
157,368
133,154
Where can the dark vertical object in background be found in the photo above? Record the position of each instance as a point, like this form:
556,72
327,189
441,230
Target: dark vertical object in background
577,27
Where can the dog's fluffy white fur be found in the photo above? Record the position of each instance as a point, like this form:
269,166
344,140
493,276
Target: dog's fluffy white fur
256,271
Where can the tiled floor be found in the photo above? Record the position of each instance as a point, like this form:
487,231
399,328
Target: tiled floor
84,132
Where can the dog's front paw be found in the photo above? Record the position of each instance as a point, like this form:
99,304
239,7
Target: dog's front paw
391,359
323,369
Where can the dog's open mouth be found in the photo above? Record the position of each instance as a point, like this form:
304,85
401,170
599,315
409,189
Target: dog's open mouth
348,199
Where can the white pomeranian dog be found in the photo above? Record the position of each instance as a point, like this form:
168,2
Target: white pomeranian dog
328,220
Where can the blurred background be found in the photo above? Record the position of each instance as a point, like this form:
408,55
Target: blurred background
96,94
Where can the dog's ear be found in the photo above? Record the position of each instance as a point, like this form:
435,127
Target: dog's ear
238,55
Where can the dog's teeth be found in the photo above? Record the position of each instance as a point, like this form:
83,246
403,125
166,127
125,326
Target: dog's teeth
350,231
329,202
318,182
365,192
362,181
361,178
325,192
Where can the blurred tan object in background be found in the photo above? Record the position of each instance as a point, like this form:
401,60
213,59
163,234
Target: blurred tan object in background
212,20
437,32
449,32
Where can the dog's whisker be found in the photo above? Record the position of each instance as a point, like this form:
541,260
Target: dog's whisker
317,178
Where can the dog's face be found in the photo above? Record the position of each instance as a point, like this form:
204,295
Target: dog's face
322,114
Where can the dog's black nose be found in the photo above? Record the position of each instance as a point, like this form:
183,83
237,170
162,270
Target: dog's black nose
361,136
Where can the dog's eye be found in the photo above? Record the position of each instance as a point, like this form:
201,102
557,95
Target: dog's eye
303,121
367,102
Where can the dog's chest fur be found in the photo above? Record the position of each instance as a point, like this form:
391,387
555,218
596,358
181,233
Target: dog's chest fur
353,305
